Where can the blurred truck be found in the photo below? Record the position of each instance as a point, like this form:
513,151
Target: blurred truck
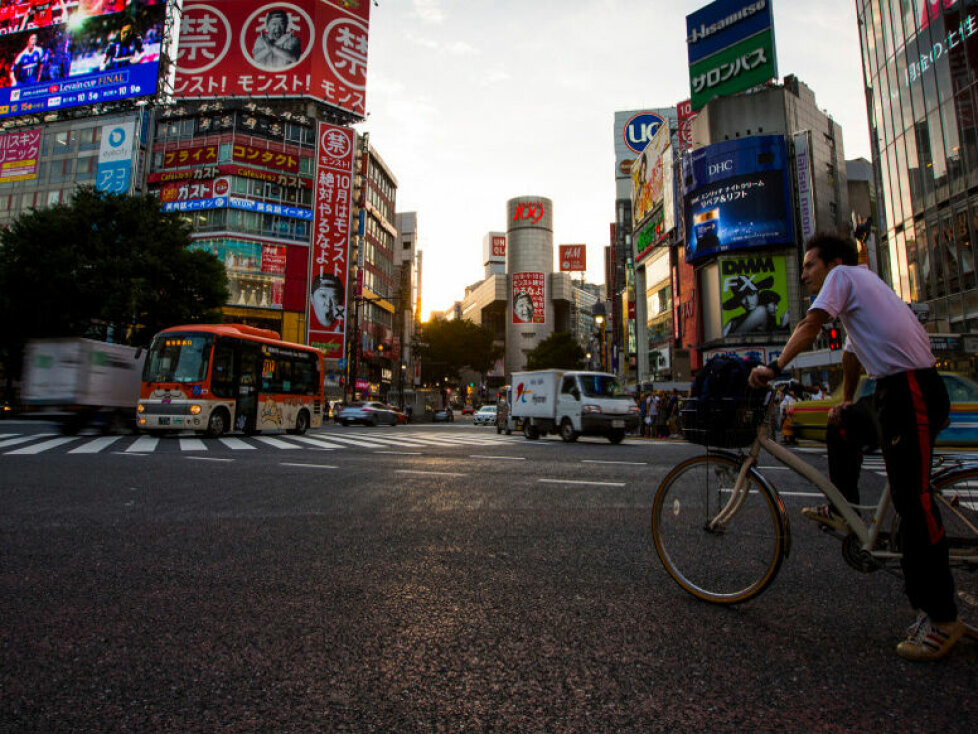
572,403
80,382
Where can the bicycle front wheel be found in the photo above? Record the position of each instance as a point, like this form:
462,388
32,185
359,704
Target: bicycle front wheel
722,562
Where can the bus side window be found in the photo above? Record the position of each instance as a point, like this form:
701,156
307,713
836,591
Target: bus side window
302,378
222,378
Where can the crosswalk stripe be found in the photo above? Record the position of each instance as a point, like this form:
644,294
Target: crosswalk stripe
237,444
313,441
143,444
44,446
23,439
276,442
95,445
356,442
192,444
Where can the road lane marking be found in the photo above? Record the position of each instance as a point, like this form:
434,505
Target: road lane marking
39,447
143,444
601,461
324,445
578,481
430,473
95,445
504,458
401,453
308,466
277,443
205,458
237,444
23,439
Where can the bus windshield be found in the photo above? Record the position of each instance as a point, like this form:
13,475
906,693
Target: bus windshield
600,386
178,358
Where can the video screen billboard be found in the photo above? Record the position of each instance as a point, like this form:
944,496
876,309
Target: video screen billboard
99,51
304,48
737,195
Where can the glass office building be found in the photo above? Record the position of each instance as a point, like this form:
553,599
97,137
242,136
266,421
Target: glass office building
920,59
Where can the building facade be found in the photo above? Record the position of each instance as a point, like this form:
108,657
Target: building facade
920,67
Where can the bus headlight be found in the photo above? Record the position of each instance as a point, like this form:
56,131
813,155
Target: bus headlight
194,410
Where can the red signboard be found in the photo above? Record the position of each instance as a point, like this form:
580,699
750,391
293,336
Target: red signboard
197,156
499,247
230,169
529,298
573,258
193,190
273,259
303,48
685,116
331,239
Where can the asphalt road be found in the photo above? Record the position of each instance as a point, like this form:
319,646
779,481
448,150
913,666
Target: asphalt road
419,578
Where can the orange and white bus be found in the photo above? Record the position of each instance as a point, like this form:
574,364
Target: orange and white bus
223,377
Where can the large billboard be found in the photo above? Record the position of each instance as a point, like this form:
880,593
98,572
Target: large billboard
573,258
529,298
19,152
754,293
329,259
304,48
52,58
633,131
730,45
737,194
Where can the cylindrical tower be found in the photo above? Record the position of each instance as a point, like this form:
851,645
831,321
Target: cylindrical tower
529,265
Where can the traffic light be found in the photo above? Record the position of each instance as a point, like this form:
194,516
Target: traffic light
835,338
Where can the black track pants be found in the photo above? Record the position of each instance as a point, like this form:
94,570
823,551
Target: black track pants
912,409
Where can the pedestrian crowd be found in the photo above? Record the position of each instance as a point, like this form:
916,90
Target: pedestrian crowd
659,414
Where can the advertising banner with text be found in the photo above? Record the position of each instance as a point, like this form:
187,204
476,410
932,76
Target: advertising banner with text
18,155
754,294
573,258
529,298
329,259
303,48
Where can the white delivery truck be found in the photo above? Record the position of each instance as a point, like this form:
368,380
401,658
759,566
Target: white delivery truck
572,403
81,381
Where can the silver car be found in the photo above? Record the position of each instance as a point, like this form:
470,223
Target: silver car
369,413
485,416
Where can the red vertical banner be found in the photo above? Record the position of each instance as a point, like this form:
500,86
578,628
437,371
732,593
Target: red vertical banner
529,298
329,261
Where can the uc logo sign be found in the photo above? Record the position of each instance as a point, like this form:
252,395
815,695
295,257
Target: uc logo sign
640,129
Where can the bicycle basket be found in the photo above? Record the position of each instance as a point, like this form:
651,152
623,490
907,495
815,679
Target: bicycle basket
723,422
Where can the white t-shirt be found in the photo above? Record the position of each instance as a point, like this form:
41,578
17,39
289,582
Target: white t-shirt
883,332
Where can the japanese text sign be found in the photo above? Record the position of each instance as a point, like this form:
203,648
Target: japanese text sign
304,48
18,155
331,239
529,298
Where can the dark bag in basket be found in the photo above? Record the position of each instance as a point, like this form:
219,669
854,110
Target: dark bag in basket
723,410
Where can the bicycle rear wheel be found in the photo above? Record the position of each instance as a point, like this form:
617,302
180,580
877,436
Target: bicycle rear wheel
725,563
957,497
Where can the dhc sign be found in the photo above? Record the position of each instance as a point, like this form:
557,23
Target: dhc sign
640,129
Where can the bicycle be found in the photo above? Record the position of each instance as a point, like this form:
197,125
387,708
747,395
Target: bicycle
722,532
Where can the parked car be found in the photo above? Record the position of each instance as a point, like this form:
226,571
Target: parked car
809,417
468,410
444,414
485,416
369,413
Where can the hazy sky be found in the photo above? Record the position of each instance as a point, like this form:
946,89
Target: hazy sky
474,103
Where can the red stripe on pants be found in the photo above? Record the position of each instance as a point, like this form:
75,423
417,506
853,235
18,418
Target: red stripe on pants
934,530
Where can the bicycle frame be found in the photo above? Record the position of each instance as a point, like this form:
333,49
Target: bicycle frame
867,534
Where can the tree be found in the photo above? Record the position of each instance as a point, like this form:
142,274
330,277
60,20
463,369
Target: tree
557,351
448,346
103,265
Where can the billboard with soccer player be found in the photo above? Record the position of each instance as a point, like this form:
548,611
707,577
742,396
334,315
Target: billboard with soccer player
58,55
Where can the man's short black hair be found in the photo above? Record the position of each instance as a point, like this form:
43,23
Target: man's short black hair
831,247
278,12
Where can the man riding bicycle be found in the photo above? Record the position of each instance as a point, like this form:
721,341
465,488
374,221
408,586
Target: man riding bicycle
912,404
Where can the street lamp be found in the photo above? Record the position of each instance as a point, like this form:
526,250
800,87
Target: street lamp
597,311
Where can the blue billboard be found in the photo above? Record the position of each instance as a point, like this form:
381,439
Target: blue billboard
102,51
723,23
737,194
